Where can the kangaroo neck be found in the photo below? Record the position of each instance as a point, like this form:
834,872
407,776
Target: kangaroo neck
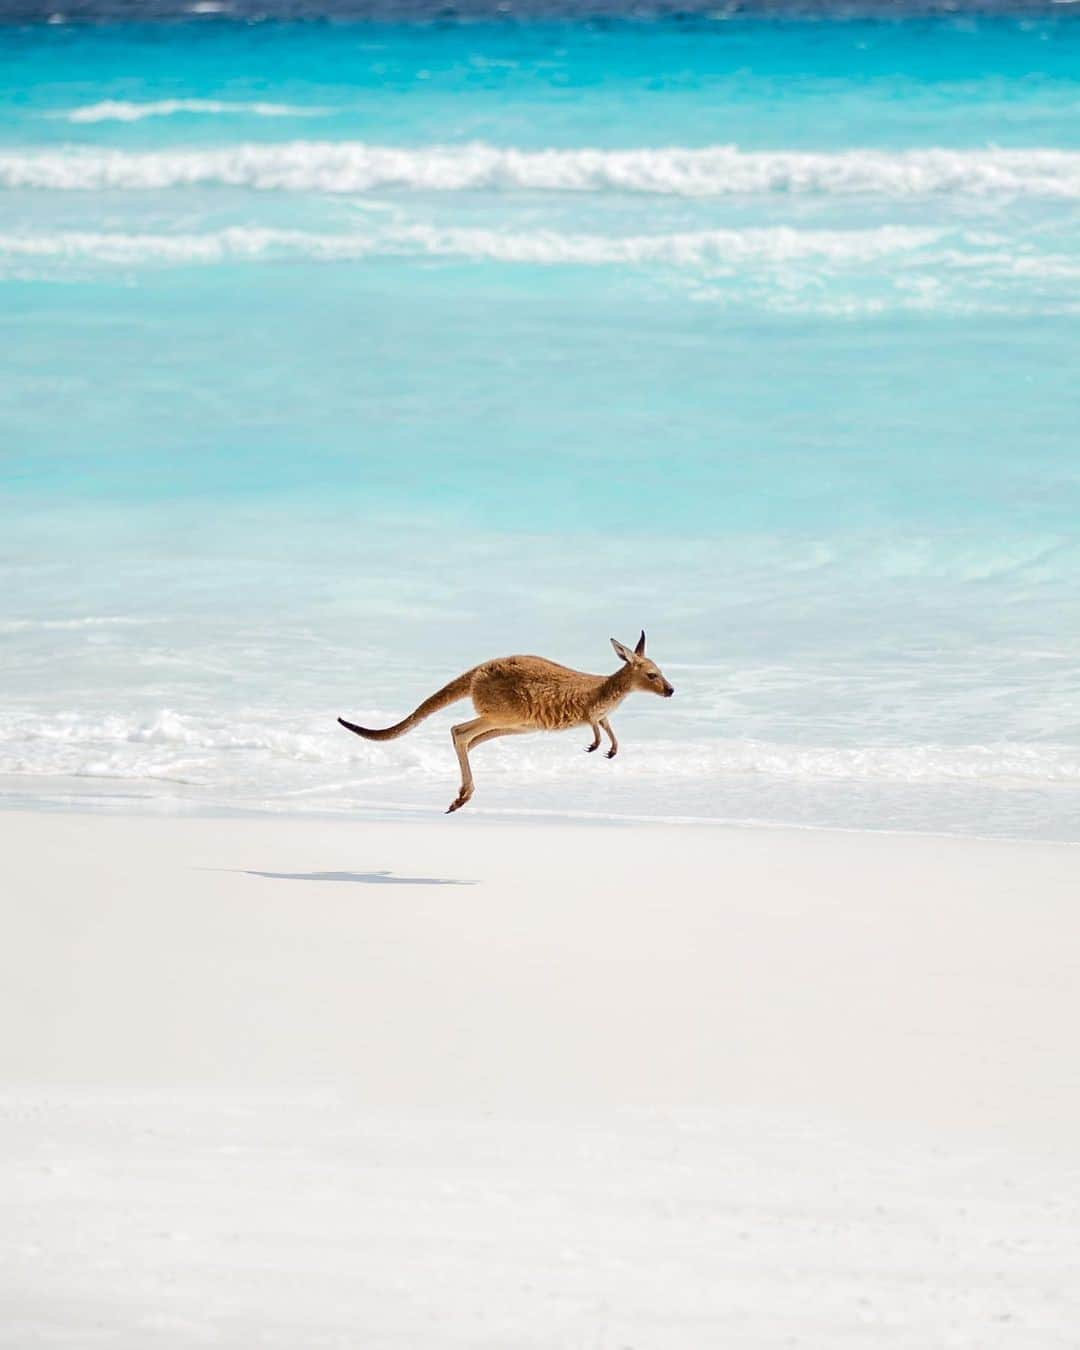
614,688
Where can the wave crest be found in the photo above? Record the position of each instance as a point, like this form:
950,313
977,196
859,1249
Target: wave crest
226,750
119,110
694,248
716,171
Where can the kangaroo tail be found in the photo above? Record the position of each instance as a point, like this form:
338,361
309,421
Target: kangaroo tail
449,693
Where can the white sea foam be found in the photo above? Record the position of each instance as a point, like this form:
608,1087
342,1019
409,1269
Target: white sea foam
712,249
120,110
717,171
226,750
63,625
788,263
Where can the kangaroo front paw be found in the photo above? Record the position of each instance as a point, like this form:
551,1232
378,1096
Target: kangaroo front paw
613,752
590,748
459,801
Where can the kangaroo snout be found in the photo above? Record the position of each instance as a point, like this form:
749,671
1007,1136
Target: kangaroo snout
669,689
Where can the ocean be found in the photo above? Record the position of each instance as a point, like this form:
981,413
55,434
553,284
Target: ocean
341,356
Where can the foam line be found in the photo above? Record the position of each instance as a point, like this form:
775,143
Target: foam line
717,171
119,110
124,746
702,248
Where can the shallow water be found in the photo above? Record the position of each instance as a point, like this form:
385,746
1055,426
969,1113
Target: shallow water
342,357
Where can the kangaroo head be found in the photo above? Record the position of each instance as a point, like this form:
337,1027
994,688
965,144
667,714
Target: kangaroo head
644,674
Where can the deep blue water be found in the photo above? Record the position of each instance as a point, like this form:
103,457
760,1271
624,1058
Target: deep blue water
340,357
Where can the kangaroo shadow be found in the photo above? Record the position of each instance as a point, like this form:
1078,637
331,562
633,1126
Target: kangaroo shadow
360,878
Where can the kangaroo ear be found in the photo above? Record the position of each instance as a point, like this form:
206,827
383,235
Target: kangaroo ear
639,650
623,652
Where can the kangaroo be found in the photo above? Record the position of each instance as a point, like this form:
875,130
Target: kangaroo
516,694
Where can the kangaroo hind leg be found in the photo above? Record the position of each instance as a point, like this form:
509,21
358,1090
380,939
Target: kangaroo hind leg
463,736
497,731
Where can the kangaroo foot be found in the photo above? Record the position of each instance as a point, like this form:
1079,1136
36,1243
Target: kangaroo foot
460,800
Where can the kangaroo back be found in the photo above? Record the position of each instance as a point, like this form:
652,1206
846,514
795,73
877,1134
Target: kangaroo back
449,693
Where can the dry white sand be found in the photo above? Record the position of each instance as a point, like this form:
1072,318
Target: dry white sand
305,1084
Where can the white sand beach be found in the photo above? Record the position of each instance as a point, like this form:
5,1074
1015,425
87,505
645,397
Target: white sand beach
294,1083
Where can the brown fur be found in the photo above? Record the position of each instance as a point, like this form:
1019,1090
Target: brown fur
516,694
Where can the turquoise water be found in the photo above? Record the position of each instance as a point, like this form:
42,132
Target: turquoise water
340,357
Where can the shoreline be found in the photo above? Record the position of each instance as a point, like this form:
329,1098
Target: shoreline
136,805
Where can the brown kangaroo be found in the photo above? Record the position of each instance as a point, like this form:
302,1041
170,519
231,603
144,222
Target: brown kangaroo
526,693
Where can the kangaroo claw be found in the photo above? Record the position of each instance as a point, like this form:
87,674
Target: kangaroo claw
612,753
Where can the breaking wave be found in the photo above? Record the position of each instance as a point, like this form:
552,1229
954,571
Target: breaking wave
61,625
697,248
118,110
225,751
717,171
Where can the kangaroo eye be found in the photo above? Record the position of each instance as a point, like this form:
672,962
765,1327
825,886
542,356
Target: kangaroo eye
653,675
